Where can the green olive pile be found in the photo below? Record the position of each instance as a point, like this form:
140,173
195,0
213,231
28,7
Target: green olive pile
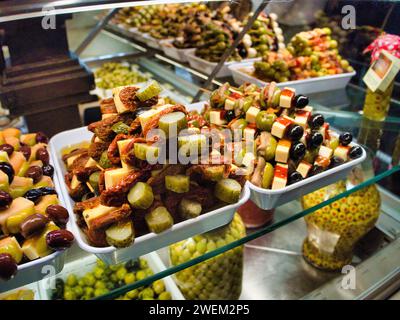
265,35
103,279
135,16
113,74
217,37
334,229
219,278
309,54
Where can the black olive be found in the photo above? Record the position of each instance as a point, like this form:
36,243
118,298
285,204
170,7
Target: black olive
243,52
355,152
300,101
336,161
26,151
316,121
41,138
48,170
7,148
230,115
5,200
297,151
294,177
47,190
34,195
315,170
345,138
315,139
8,170
295,132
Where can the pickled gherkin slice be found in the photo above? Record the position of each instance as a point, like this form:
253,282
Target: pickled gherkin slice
120,234
159,220
145,152
149,91
104,162
189,208
141,196
268,176
228,190
94,180
120,127
179,183
172,122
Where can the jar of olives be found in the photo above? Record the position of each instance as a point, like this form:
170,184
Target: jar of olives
334,229
219,278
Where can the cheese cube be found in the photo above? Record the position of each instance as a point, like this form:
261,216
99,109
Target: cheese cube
304,168
113,177
248,162
215,118
251,114
286,98
108,115
280,176
302,117
89,215
229,104
325,152
342,152
91,163
280,126
121,146
71,160
282,151
121,108
74,182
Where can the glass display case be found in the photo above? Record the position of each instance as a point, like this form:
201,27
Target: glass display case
190,50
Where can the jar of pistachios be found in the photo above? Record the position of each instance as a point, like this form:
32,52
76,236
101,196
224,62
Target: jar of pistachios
334,229
219,278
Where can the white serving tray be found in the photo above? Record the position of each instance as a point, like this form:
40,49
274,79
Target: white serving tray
37,269
207,67
148,242
80,267
174,53
240,73
268,199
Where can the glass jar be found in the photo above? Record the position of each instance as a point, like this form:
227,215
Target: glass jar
376,105
253,216
334,229
218,278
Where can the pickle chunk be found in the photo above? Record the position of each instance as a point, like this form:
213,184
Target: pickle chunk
159,220
141,196
189,208
228,190
149,91
172,123
179,183
120,234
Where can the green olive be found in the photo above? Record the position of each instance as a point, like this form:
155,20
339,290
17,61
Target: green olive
265,120
271,149
268,176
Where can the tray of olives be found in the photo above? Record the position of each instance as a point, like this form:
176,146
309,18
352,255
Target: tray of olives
175,53
89,278
33,221
207,67
243,72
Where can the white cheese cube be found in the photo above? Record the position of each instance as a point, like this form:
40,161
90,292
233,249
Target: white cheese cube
108,115
121,108
89,215
282,151
229,104
113,177
280,126
91,163
215,118
248,161
145,117
304,168
280,176
286,98
342,152
325,152
251,114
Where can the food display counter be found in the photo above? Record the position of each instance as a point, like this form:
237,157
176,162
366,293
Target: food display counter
100,207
